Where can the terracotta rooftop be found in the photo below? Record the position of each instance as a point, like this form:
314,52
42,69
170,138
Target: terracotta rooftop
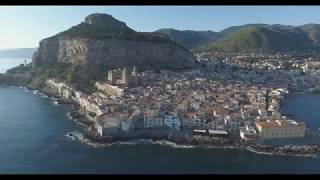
279,123
271,124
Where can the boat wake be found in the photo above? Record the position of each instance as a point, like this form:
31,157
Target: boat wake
282,154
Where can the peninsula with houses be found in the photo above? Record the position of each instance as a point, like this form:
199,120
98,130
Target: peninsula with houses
138,85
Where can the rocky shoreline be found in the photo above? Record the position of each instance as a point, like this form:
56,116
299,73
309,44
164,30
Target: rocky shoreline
77,114
299,151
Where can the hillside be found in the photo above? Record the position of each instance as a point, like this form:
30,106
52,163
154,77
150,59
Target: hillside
82,54
313,32
190,39
232,29
274,38
17,53
250,38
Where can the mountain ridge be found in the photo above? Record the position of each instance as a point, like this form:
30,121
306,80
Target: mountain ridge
102,34
82,54
189,38
294,38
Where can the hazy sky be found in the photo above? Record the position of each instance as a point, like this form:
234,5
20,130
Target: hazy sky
26,26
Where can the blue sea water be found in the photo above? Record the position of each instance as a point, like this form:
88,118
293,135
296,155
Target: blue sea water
304,107
32,140
7,63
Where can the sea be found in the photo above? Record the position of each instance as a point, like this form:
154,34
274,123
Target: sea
34,139
7,63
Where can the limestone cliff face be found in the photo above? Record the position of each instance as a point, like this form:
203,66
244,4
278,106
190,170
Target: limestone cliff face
58,49
102,40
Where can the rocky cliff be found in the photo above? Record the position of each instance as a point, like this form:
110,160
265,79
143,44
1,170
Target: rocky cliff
103,40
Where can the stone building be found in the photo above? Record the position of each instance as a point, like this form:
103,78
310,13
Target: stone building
280,129
110,89
123,77
111,124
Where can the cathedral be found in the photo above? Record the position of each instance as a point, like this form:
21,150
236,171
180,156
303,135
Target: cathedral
123,77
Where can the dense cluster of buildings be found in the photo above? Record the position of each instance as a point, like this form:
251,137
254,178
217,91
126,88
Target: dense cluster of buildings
233,95
118,81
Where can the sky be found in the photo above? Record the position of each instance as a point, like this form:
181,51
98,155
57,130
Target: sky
25,26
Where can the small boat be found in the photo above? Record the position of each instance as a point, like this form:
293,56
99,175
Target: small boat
35,92
55,102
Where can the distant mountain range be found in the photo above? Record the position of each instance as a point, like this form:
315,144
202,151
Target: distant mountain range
17,53
190,39
250,38
245,38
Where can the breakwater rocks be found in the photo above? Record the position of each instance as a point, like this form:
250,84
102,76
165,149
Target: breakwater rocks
185,138
205,142
79,116
91,139
287,150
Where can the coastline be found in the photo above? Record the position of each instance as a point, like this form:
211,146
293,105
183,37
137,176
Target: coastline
282,154
90,138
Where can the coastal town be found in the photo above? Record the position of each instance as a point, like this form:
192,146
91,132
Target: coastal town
226,100
160,90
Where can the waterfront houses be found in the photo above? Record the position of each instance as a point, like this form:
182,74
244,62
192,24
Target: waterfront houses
280,129
111,124
88,103
62,89
248,133
234,96
110,89
171,121
152,119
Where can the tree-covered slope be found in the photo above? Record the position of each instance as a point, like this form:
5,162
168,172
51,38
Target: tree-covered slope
263,39
313,32
190,39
